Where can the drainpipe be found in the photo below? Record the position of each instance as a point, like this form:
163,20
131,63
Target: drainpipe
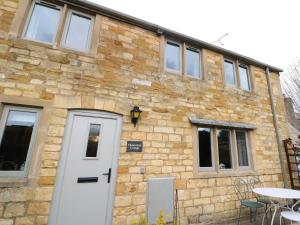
279,144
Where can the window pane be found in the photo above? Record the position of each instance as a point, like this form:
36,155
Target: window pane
241,142
193,62
244,78
229,73
78,32
173,56
224,149
16,140
43,23
94,135
205,156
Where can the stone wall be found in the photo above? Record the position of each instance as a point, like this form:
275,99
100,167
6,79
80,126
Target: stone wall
58,80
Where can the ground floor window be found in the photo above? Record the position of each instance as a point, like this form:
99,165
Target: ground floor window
17,134
221,149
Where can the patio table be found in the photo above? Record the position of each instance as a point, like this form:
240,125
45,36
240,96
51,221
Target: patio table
281,193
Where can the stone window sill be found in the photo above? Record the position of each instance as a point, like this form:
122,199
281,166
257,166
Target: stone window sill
222,174
13,182
58,48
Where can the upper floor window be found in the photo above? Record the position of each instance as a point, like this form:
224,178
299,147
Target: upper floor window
77,31
229,72
237,74
244,77
17,134
173,59
182,60
192,60
42,22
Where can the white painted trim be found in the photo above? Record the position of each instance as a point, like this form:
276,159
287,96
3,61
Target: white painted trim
248,76
31,146
29,16
64,156
249,156
213,167
190,48
231,147
66,28
179,72
234,72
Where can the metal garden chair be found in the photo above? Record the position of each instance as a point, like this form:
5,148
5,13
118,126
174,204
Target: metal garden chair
243,189
291,214
255,182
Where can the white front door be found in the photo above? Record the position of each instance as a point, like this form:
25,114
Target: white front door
85,183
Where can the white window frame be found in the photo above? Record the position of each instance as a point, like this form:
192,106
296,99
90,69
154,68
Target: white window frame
248,150
66,28
248,76
190,48
6,110
231,149
180,57
29,16
213,167
234,72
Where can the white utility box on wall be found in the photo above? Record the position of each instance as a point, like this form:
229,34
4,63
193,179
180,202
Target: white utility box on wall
160,197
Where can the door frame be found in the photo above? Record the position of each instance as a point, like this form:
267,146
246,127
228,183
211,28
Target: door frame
64,156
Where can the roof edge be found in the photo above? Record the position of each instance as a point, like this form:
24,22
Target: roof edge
165,31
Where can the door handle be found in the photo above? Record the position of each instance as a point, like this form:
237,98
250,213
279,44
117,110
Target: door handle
108,175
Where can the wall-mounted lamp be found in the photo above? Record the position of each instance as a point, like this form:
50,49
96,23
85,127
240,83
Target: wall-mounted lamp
135,115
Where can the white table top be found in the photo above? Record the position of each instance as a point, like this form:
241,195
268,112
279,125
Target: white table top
283,193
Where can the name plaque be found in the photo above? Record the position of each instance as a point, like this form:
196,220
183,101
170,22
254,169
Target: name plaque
134,146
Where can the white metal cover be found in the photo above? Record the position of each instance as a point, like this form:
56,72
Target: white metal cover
160,197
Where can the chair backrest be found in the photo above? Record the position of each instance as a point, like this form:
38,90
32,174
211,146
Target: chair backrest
295,207
243,187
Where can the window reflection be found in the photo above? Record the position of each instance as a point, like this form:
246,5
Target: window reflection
43,23
193,62
205,154
16,140
244,78
229,73
93,140
78,32
224,149
173,56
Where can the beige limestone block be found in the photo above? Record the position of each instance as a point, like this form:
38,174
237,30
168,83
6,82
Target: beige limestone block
6,222
43,193
14,209
28,220
38,208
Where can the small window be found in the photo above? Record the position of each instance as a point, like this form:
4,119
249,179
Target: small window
241,142
205,147
42,23
229,72
193,62
224,147
173,56
93,140
244,77
17,133
77,32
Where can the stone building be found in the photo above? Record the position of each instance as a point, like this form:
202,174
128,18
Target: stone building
70,74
